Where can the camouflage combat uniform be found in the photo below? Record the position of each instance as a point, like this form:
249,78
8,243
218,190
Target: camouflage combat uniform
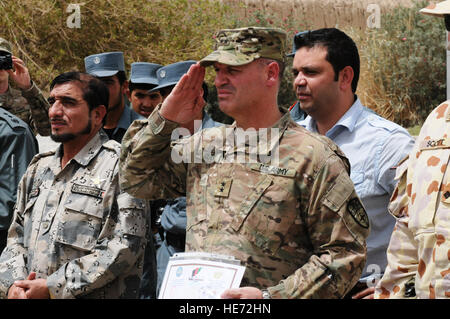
419,250
73,227
299,228
30,106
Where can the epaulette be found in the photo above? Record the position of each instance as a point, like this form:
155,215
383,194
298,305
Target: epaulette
37,157
12,120
380,122
112,145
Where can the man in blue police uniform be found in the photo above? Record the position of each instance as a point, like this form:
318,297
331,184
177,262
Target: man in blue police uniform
110,68
18,145
143,78
173,216
326,69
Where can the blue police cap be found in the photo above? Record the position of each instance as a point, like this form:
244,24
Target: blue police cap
144,72
170,74
104,64
294,47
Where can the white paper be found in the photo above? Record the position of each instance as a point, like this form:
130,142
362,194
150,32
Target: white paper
200,276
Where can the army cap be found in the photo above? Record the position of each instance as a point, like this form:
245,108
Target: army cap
144,72
244,45
5,46
437,9
104,64
170,74
294,47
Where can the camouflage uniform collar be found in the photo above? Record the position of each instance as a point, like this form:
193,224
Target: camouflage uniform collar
282,123
88,152
266,146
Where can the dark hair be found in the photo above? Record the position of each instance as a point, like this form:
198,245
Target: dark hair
140,86
95,92
341,50
121,76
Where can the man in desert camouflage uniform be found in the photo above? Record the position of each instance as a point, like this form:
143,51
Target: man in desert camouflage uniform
27,103
74,234
296,223
419,250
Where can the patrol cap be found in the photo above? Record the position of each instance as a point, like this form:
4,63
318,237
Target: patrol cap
170,74
144,72
104,64
437,9
5,46
244,45
294,47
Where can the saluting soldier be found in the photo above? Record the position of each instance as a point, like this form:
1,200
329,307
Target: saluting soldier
294,219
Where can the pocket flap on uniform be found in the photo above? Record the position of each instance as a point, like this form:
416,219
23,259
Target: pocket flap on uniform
339,193
85,204
248,203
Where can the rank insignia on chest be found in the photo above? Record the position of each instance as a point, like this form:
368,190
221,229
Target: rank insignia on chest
223,188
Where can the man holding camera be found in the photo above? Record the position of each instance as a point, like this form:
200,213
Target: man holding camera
26,102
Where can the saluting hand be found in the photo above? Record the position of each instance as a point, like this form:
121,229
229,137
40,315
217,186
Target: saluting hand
20,75
186,99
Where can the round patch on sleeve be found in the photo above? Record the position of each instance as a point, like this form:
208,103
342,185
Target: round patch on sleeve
356,209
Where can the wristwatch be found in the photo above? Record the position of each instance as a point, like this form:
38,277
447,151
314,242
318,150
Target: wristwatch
265,294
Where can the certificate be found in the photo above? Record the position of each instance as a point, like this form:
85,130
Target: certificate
200,276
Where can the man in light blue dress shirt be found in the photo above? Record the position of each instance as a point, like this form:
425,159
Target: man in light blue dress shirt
326,70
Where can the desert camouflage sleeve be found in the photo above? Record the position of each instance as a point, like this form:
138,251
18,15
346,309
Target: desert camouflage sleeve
338,226
39,121
398,279
146,167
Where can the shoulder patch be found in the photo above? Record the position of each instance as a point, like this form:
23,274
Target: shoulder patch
112,145
37,157
356,210
380,122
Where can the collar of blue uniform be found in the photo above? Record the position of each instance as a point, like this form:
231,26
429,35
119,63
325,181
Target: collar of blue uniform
127,117
348,120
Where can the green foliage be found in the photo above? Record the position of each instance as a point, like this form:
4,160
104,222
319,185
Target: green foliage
155,31
404,65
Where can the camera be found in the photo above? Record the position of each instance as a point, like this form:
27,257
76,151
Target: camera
5,61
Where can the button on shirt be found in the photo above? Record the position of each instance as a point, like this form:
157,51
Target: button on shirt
374,146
